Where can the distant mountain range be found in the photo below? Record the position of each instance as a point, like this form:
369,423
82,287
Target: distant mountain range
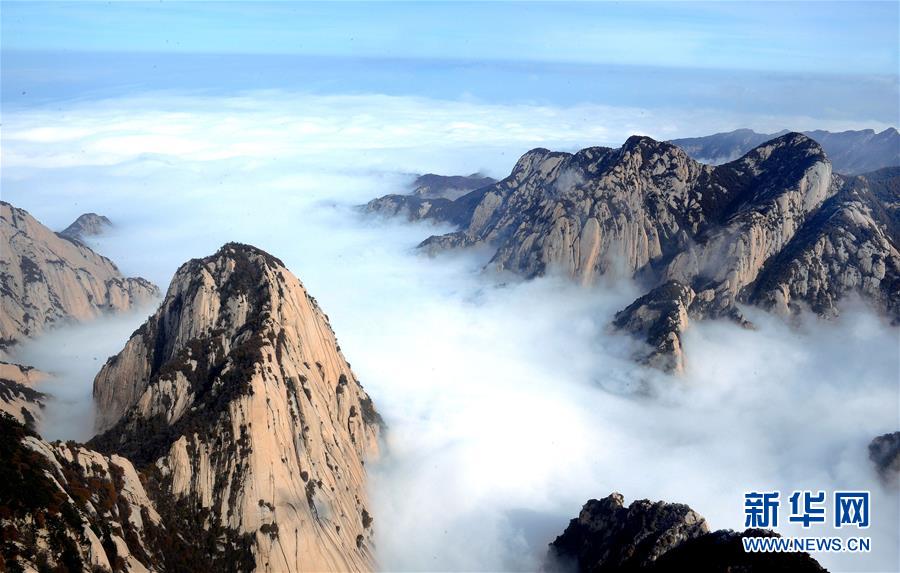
775,228
850,152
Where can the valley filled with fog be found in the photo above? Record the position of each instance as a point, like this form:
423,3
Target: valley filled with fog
508,403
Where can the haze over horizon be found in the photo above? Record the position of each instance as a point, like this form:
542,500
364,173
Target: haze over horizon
509,402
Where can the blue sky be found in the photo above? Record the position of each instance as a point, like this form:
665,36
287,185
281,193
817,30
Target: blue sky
751,64
821,37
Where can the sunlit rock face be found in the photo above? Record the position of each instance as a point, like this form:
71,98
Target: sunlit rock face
657,536
235,400
46,279
68,508
775,228
18,396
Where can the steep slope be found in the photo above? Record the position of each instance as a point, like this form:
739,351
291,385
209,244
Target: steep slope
849,246
64,507
86,225
851,152
18,397
774,228
46,279
236,401
646,536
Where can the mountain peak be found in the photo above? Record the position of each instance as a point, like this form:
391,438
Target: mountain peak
238,381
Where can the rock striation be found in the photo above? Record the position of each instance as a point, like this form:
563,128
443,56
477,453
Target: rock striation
851,152
252,431
46,279
18,396
774,228
657,536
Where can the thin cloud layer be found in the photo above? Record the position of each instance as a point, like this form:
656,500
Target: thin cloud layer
509,403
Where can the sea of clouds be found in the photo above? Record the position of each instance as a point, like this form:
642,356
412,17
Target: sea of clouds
509,403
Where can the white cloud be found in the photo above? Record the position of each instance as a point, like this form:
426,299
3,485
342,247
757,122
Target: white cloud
508,405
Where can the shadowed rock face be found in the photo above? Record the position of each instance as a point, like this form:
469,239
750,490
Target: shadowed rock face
884,451
86,225
431,186
774,228
236,402
647,536
851,152
46,279
433,197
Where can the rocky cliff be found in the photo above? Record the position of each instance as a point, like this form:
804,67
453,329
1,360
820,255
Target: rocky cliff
46,279
18,396
851,152
64,507
235,401
775,228
648,536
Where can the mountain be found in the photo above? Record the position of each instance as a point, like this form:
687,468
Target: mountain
851,152
86,225
247,423
431,186
646,536
46,279
775,228
432,197
64,507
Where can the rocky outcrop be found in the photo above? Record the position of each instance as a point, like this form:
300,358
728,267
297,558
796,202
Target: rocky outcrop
884,451
46,279
608,536
851,152
648,536
659,317
86,225
64,507
18,397
774,228
236,402
850,245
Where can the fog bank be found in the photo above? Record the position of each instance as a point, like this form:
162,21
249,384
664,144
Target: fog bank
509,404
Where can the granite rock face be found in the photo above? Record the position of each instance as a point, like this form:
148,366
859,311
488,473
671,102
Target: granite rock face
18,396
64,507
46,279
851,152
774,228
235,401
646,536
